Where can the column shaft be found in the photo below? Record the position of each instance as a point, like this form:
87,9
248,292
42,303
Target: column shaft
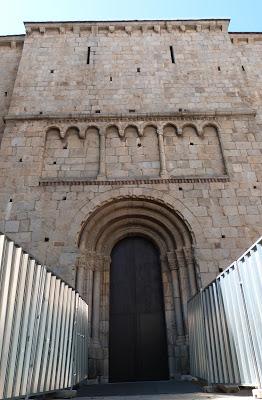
162,156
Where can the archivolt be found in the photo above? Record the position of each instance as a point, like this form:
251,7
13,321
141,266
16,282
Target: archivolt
125,217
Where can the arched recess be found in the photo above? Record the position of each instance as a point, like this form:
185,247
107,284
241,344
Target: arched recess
192,154
150,148
155,221
71,155
53,150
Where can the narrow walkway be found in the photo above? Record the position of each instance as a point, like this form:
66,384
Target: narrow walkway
164,390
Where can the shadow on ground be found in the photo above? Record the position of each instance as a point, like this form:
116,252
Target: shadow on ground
138,389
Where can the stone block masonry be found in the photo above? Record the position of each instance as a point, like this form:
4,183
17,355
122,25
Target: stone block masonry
106,133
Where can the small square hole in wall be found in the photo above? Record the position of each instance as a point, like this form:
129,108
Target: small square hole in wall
223,236
20,160
64,198
138,70
40,112
243,68
65,147
191,144
52,71
46,239
132,111
54,162
10,200
5,94
97,111
221,269
254,187
111,79
219,68
180,188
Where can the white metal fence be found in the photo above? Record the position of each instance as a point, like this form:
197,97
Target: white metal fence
225,324
43,327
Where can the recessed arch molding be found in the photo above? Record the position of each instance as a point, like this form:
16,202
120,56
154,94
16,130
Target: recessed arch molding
154,220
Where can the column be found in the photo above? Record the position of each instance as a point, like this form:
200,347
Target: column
183,282
102,153
162,156
191,269
173,265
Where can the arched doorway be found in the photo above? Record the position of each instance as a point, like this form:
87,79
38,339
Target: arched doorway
137,328
159,223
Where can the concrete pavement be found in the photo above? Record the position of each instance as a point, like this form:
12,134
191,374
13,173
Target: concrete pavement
168,390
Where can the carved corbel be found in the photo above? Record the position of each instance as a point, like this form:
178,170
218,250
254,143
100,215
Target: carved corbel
61,29
140,130
179,130
42,29
62,133
198,28
182,28
157,28
121,131
169,27
82,133
128,29
28,30
76,29
111,28
94,30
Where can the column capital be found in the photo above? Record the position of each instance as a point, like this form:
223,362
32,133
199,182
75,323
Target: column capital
188,253
91,260
160,130
172,261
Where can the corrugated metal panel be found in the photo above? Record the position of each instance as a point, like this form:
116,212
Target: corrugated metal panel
225,324
43,327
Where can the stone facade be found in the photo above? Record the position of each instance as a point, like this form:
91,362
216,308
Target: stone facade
146,128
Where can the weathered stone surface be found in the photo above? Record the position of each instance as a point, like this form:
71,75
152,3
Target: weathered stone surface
132,143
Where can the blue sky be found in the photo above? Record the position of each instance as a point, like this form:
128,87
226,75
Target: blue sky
246,15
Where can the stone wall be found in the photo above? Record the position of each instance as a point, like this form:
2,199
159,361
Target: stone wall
130,68
10,54
176,145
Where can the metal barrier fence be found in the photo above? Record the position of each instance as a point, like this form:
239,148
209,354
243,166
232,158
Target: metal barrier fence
225,324
43,327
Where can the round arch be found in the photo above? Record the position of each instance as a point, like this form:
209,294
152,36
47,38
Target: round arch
155,220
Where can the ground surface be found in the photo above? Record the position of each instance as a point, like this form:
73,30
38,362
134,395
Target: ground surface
169,390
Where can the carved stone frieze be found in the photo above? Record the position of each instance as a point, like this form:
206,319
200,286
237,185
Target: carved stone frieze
91,260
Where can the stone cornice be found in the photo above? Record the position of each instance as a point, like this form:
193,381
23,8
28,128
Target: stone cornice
12,41
184,115
121,182
128,27
245,37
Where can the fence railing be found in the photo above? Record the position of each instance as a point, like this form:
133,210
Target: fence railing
43,327
225,324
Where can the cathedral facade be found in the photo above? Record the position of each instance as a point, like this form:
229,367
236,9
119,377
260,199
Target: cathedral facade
131,165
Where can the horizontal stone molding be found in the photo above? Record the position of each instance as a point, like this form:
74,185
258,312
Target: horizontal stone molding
12,41
127,27
165,116
120,182
245,37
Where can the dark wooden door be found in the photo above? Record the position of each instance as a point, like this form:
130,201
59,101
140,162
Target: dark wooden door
137,332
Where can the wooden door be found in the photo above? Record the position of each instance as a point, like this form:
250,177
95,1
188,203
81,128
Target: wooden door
137,332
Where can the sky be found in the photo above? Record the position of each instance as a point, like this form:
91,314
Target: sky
246,15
